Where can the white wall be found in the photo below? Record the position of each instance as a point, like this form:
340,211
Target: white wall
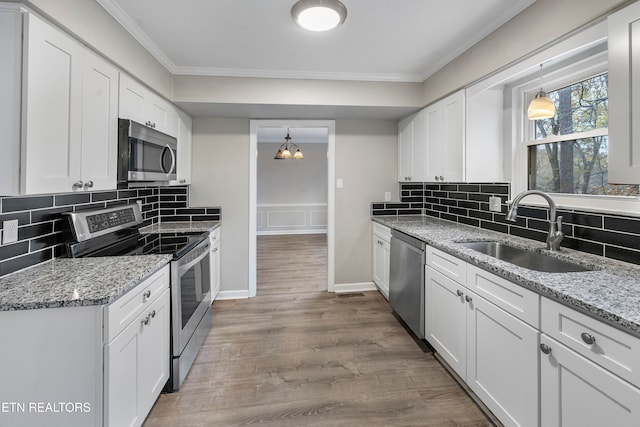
292,181
220,177
537,26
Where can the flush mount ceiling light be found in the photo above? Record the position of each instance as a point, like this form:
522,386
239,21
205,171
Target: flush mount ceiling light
284,152
319,15
541,106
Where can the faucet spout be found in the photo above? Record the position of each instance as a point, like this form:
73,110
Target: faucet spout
555,235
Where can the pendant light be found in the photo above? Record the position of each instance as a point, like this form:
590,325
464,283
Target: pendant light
319,15
541,106
284,152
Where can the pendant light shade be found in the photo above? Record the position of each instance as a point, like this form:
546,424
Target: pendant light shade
284,152
541,106
319,15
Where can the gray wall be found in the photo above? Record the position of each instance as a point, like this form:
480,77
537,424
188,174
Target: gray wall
292,181
366,160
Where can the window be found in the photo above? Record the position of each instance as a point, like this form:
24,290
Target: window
568,153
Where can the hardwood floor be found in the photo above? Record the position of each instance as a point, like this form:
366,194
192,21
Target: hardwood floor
312,358
291,263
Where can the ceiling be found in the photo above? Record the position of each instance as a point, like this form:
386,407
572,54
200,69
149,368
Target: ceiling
381,40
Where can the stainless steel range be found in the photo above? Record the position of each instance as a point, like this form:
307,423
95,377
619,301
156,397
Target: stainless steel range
115,232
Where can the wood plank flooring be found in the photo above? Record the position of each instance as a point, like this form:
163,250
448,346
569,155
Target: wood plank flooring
291,263
312,358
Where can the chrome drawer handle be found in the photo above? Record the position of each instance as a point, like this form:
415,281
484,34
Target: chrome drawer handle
152,314
545,349
588,338
459,293
468,298
146,295
145,321
78,184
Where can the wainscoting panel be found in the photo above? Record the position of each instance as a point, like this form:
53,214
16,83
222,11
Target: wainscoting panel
289,218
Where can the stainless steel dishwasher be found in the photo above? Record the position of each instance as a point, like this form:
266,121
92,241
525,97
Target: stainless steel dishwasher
406,280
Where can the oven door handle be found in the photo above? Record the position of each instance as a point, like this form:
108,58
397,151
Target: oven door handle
187,266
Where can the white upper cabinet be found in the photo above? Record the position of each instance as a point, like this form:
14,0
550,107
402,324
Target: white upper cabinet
411,149
483,136
143,106
52,108
624,95
444,125
70,113
183,170
10,101
99,123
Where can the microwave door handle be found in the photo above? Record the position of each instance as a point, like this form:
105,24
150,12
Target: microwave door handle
173,160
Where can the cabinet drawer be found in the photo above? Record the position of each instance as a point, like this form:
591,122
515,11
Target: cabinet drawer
612,349
512,298
452,267
382,231
122,311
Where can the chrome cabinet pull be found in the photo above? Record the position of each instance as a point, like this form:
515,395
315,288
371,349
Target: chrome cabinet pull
88,184
146,295
545,349
468,298
78,184
153,314
588,338
145,321
459,293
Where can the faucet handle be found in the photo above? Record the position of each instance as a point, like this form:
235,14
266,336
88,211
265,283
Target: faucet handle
559,223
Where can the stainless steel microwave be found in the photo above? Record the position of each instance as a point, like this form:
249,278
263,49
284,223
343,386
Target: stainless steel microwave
145,154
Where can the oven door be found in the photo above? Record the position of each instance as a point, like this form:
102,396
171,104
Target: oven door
191,294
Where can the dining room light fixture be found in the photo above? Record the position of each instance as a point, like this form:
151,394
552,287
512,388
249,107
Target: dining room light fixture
319,15
541,106
284,152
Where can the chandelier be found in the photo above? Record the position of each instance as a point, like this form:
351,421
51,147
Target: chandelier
284,152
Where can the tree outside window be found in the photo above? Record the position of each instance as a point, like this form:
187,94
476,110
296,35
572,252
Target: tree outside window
569,151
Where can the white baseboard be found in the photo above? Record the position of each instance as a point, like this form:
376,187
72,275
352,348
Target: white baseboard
354,287
241,294
280,232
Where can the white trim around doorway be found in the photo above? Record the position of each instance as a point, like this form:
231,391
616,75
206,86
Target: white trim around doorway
253,184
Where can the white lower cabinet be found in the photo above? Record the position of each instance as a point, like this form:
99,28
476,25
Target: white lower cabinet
137,365
381,257
578,392
214,259
493,351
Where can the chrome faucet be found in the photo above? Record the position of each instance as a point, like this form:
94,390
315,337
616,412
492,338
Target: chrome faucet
555,224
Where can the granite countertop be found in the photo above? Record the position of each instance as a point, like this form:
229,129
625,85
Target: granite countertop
72,282
610,293
181,227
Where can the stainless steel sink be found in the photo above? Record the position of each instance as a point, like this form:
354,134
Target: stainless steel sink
525,258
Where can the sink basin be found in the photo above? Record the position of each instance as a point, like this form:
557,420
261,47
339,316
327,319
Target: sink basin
525,258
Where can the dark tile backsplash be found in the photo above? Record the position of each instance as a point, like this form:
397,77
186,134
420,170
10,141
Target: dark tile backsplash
608,235
40,227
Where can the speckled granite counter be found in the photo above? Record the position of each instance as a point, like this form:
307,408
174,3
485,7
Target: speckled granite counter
181,227
70,282
610,293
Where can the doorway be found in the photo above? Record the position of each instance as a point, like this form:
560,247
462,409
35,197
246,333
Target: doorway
284,224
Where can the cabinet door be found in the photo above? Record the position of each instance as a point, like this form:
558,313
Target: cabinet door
445,319
99,123
184,149
53,109
381,260
434,142
132,100
162,115
405,149
502,362
121,398
386,260
577,392
153,354
11,90
624,95
452,163
214,256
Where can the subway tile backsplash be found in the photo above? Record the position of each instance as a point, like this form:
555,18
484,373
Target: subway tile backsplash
40,227
608,235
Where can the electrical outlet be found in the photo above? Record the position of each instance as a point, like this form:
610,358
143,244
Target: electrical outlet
495,204
10,233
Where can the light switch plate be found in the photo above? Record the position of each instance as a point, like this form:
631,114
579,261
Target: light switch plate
10,231
339,183
495,204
